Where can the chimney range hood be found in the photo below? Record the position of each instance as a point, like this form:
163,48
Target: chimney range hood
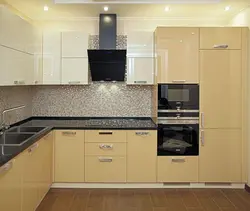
107,63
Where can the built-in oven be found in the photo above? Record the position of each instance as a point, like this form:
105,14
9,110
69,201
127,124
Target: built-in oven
178,97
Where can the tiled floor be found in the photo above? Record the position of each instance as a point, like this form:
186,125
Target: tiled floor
146,200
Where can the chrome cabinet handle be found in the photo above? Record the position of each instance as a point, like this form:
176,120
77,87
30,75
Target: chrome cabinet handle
179,81
33,147
106,146
142,133
6,167
105,133
202,138
104,159
19,82
140,82
202,120
178,160
222,46
68,133
74,82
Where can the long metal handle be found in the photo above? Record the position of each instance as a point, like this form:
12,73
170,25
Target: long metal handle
68,133
106,159
178,160
179,81
202,138
6,167
33,147
106,146
74,82
222,46
140,82
105,133
142,133
202,119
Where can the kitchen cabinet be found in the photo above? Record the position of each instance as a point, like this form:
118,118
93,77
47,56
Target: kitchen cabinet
220,38
16,67
106,136
75,70
220,157
75,44
141,156
221,88
69,156
51,73
140,70
11,184
177,52
177,169
111,169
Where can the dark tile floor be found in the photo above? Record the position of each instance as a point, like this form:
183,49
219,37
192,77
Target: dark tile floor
146,200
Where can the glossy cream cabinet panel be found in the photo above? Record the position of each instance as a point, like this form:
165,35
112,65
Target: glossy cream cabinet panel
51,57
75,71
177,169
140,70
221,88
75,44
69,156
220,157
220,38
141,156
11,184
177,54
16,67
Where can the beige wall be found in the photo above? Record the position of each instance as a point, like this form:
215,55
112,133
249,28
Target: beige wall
243,19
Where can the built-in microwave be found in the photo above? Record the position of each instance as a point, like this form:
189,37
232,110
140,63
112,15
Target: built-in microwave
178,97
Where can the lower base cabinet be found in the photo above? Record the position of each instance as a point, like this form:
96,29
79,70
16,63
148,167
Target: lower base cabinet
177,169
105,169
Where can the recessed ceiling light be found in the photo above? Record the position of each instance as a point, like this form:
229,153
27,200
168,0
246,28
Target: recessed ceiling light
106,8
45,8
167,9
227,8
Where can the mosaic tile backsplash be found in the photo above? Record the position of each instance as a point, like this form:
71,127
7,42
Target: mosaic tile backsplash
16,96
96,100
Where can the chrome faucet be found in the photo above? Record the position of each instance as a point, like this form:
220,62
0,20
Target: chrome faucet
3,125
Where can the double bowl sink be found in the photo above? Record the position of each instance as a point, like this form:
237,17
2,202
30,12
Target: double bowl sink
18,136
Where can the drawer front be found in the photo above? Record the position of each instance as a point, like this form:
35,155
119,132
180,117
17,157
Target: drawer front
105,169
112,149
177,169
102,136
220,38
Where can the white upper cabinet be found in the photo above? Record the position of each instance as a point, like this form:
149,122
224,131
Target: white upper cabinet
51,73
75,71
140,43
74,44
140,70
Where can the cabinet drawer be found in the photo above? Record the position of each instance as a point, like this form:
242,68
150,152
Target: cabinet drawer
102,136
105,169
177,169
220,38
113,149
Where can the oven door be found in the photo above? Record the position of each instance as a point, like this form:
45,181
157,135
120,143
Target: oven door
178,97
178,139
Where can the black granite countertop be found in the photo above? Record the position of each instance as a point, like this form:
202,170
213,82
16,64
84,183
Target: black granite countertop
77,123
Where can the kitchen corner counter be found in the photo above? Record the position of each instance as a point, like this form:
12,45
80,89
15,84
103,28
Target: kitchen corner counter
72,123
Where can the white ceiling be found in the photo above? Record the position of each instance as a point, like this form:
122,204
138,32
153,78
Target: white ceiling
34,9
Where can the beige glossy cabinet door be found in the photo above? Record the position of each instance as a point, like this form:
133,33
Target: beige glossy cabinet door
220,88
11,185
69,156
141,156
177,54
220,38
220,157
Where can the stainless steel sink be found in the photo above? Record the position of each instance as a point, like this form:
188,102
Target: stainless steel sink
25,129
15,139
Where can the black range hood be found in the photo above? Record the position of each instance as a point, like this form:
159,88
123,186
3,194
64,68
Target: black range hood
107,63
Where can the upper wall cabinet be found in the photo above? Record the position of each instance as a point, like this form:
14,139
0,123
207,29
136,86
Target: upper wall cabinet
74,44
51,73
177,52
220,38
